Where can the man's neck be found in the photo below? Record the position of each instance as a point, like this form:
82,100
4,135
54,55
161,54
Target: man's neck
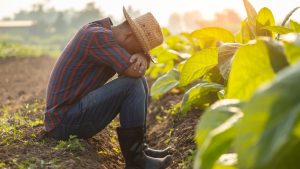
116,34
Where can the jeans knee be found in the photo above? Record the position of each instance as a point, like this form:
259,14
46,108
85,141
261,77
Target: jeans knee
135,85
130,81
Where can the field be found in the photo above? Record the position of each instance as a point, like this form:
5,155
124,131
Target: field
223,100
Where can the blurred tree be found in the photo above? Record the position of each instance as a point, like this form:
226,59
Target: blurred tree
189,21
6,19
60,24
134,13
53,27
229,19
88,14
38,14
22,15
176,24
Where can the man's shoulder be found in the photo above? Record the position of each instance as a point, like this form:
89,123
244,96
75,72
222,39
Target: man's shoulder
97,31
99,26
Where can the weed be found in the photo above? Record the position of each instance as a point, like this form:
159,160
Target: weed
2,164
187,162
12,124
174,109
72,144
31,163
170,133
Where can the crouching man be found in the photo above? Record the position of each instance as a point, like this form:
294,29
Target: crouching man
80,102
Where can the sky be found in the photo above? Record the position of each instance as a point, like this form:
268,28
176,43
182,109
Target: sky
161,9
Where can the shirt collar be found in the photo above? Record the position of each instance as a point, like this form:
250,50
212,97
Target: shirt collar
107,23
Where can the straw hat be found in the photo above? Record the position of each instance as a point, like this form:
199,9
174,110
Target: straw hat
146,29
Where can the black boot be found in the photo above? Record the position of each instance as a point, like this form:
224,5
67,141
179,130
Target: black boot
132,146
157,153
149,151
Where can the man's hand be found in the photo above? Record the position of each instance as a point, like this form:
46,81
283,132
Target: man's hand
139,62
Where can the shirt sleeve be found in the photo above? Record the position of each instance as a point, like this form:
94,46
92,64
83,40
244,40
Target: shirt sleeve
104,49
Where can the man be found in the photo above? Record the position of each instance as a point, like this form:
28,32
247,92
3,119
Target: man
80,102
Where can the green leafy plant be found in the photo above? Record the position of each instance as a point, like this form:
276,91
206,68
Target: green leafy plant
275,111
256,75
201,94
215,55
264,131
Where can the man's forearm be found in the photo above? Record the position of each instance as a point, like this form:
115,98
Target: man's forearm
139,63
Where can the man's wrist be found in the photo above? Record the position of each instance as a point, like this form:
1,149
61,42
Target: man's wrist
148,57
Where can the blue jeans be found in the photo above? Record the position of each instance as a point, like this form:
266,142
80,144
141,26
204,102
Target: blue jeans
125,96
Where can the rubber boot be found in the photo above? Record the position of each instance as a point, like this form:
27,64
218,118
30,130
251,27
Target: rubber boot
132,145
156,153
149,151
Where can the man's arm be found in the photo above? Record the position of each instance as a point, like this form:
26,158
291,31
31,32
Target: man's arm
104,50
130,72
140,63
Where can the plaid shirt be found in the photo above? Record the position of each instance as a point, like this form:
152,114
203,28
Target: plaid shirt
88,61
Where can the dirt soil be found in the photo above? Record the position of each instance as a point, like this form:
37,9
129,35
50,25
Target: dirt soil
24,80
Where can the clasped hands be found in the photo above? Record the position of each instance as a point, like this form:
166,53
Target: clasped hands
140,62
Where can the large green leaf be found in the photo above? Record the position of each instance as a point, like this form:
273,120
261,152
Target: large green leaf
251,67
166,32
213,76
214,116
198,64
238,37
178,42
206,42
278,29
251,16
292,51
264,18
267,137
276,53
292,47
200,95
295,26
220,34
163,54
245,34
165,61
225,58
165,83
215,132
160,68
220,166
